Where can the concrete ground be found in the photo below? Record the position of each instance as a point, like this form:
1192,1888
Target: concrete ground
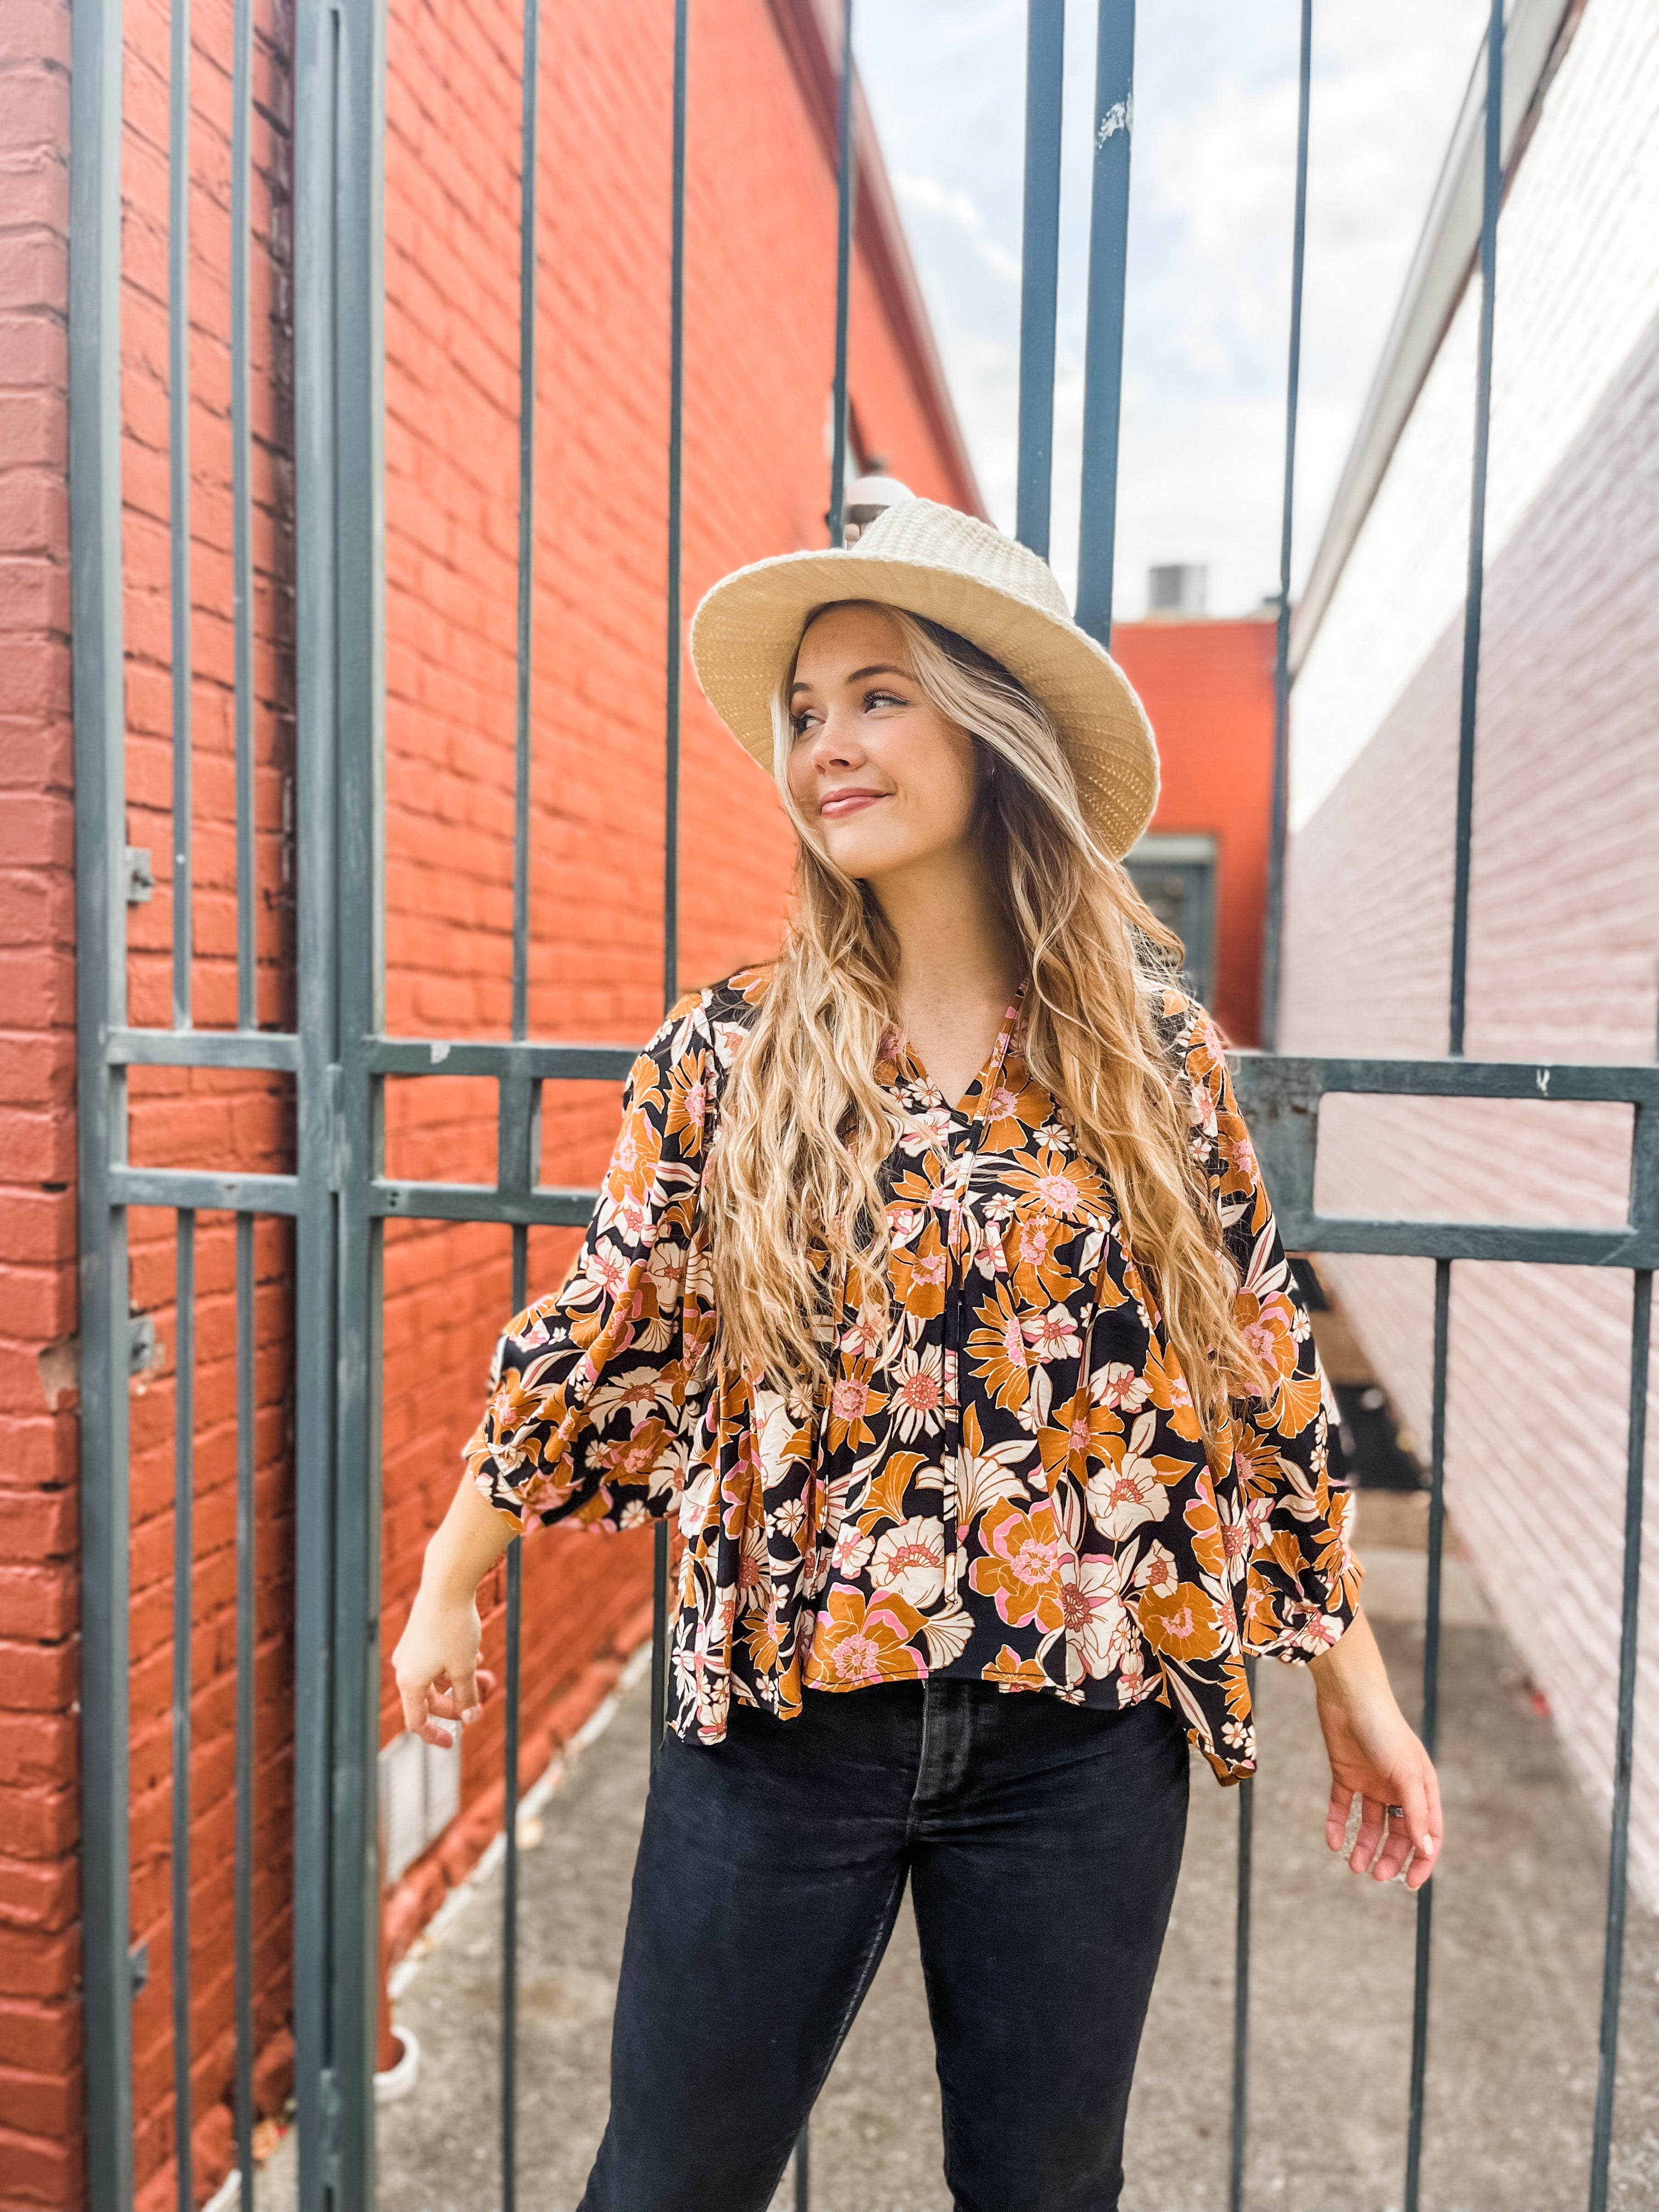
1518,1925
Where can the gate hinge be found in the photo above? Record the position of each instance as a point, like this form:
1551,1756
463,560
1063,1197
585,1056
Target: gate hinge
140,876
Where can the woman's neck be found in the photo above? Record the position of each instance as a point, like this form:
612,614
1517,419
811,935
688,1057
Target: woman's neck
959,965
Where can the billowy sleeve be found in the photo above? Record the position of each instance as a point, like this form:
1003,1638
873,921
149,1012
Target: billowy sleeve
1302,1587
588,1408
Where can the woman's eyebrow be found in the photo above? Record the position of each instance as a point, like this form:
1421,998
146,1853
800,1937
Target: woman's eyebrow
876,668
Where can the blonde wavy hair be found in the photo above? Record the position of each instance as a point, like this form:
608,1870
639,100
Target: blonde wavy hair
798,1216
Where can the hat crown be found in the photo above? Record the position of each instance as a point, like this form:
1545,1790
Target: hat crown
944,538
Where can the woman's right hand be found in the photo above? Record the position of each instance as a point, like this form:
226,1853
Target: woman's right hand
436,1661
436,1664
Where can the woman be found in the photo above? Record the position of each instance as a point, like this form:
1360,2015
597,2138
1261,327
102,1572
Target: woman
934,1289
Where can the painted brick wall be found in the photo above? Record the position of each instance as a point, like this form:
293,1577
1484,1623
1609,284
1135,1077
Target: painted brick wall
1564,911
761,233
1208,687
39,2023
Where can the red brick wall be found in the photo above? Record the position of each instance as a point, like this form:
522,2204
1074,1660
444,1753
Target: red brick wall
39,2024
760,271
1208,687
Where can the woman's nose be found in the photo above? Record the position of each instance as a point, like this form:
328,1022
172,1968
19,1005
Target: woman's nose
836,743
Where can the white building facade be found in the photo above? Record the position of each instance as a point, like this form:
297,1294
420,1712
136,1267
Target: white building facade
1563,944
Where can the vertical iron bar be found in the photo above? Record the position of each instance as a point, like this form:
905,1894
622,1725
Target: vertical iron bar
510,1871
359,481
1039,268
1491,193
1429,1725
671,942
529,92
241,497
247,1645
315,1239
527,521
1272,920
1239,2135
803,2169
178,480
1103,358
95,370
845,183
1619,1844
184,1448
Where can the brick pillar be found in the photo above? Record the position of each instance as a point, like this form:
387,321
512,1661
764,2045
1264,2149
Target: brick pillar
41,2158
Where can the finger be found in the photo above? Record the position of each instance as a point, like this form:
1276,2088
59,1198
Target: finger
413,1695
464,1693
1369,1836
486,1681
1396,1849
1431,1832
1336,1819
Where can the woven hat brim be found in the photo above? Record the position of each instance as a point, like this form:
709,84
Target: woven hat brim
747,626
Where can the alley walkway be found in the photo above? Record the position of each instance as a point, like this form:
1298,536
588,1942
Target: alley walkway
1517,1985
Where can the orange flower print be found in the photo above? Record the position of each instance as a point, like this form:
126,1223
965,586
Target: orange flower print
510,1415
633,1171
1184,1623
853,1642
633,1458
1169,1393
1010,1672
1029,1246
1012,1107
1266,1326
998,1346
688,1101
1076,1433
918,1270
854,1404
1058,1182
1021,1569
1209,1544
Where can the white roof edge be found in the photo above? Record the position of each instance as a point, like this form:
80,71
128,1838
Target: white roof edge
1439,269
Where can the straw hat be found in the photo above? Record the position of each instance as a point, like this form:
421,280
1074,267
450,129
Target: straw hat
930,560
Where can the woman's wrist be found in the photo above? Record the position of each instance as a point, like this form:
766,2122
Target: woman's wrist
1351,1673
464,1547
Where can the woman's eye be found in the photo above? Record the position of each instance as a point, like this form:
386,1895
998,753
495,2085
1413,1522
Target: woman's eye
800,724
881,699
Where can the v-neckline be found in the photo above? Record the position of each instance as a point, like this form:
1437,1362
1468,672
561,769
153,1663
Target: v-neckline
968,1107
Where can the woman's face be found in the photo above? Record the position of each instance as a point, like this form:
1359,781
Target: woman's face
883,780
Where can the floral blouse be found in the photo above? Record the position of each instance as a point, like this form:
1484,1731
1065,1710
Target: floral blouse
1011,1486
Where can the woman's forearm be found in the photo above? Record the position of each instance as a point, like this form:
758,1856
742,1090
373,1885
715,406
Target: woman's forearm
1352,1672
466,1543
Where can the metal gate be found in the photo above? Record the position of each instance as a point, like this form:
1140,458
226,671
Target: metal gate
336,1194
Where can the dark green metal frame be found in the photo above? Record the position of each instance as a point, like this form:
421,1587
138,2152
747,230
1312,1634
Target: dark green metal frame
339,1195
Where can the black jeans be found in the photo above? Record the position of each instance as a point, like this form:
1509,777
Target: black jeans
1043,1842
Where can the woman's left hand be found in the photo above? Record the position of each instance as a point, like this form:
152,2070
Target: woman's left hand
1375,1755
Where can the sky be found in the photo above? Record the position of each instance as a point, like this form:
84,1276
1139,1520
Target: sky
1212,203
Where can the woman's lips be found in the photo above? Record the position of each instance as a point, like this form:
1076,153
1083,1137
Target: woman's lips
839,804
